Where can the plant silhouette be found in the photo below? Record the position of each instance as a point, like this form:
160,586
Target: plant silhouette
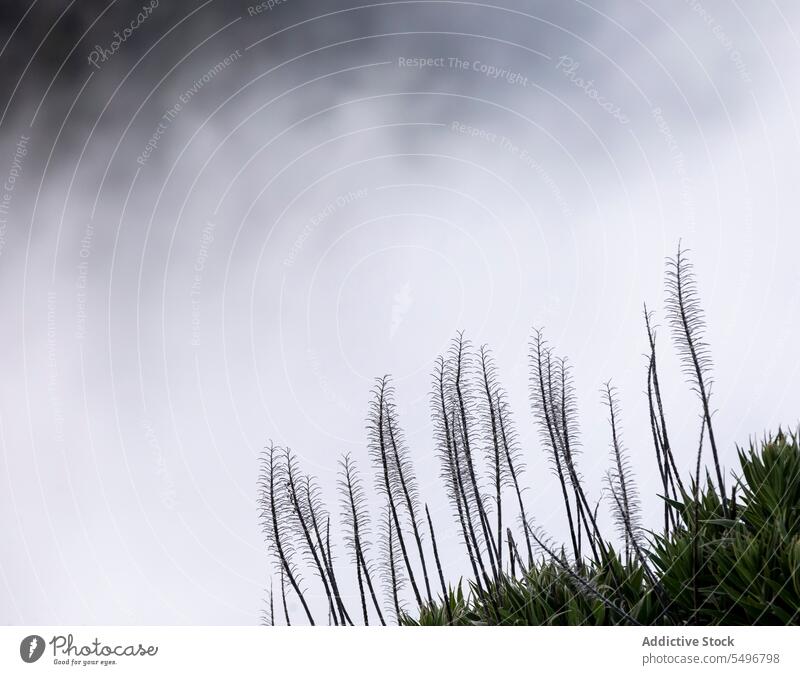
721,557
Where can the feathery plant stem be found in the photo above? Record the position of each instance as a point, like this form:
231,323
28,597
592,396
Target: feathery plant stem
335,586
462,411
618,480
696,524
373,594
467,510
623,491
542,410
356,518
351,518
383,463
513,553
314,507
406,478
445,598
465,516
393,569
446,449
466,524
362,596
470,527
565,388
513,473
635,546
672,469
269,512
663,462
689,328
561,400
283,598
300,520
496,470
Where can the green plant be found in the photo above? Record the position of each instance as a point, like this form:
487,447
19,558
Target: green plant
748,572
748,564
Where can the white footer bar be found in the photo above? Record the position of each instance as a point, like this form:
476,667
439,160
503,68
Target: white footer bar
329,651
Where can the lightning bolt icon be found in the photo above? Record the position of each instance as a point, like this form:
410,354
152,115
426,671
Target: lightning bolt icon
32,647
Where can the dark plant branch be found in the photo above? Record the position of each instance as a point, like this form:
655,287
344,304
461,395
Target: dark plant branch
514,463
567,434
513,553
300,520
318,513
387,481
464,404
667,466
658,444
696,524
406,486
445,444
273,500
283,598
626,504
688,324
392,575
445,597
542,402
271,606
465,500
488,414
356,519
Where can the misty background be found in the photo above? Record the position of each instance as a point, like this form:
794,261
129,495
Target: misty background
222,229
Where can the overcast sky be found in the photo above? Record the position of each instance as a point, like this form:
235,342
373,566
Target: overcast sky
221,228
